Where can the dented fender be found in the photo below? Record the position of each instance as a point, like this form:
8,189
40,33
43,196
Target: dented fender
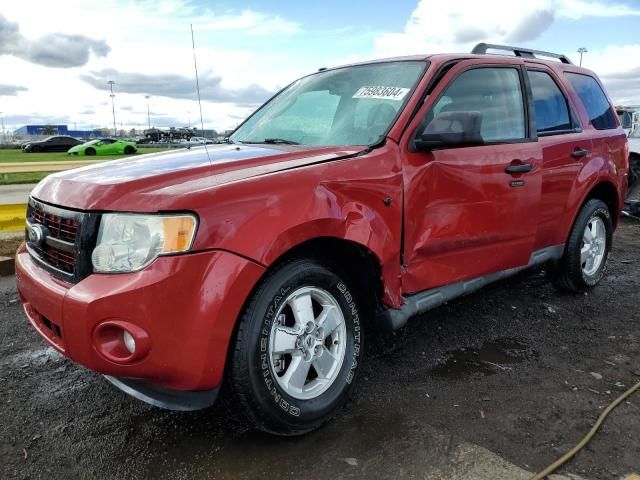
358,199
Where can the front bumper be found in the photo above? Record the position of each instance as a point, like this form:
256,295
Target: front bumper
186,307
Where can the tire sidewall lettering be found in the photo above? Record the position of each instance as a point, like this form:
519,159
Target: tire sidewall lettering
606,215
289,405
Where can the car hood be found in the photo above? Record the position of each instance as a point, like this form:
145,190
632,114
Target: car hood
150,182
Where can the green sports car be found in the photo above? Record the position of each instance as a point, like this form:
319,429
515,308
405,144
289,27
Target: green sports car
104,146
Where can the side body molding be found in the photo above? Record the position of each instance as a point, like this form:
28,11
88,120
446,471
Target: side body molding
395,318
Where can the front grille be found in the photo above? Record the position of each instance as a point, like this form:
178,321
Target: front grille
60,239
60,228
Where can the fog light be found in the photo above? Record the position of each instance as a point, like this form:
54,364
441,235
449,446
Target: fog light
121,341
129,342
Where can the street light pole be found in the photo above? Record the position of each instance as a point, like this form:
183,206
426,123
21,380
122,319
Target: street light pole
582,51
2,120
148,114
113,108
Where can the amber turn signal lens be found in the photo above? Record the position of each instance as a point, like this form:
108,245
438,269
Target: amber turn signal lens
178,233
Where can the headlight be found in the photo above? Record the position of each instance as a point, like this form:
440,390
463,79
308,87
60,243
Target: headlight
130,242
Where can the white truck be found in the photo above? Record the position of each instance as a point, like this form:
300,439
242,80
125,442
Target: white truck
629,118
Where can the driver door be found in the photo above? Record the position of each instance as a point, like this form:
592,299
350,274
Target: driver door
471,210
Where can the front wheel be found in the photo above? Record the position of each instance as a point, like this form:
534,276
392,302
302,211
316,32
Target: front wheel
297,348
90,151
585,256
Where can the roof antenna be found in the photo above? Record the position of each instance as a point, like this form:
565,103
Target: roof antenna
195,66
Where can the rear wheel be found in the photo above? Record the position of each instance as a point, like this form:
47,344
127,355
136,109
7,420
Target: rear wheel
297,349
585,256
90,151
128,150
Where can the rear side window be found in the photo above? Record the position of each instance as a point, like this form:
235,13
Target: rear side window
600,112
552,113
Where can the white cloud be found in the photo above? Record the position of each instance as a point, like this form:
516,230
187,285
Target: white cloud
577,9
436,27
619,70
150,38
250,22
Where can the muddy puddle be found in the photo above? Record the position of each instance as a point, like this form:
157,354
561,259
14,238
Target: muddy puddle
492,357
377,444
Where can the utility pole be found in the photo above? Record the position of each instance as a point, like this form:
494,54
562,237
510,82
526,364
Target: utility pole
582,51
113,108
2,120
148,114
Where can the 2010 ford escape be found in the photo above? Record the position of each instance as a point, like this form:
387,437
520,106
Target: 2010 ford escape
357,195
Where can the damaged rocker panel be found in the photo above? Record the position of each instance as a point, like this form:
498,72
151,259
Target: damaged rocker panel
395,318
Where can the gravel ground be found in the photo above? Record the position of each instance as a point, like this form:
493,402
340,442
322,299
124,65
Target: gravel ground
517,368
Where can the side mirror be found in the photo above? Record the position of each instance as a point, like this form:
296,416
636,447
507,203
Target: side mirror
451,129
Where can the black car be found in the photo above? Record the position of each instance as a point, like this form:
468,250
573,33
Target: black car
57,143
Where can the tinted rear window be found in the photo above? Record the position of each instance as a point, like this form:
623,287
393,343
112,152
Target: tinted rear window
552,113
600,112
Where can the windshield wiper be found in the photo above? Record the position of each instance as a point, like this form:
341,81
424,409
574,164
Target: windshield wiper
272,141
283,141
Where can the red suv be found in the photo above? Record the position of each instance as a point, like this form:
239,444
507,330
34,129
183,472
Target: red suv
356,196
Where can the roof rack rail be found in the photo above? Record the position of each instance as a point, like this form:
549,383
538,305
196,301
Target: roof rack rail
481,49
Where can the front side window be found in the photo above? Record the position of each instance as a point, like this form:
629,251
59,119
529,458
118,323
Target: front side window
601,114
493,96
346,106
552,112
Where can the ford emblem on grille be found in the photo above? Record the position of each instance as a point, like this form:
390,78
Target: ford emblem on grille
36,234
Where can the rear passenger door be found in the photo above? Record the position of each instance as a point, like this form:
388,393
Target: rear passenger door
564,149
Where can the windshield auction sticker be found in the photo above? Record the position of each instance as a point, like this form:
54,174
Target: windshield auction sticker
383,93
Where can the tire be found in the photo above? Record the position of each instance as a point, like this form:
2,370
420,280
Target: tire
256,375
634,169
575,272
128,150
36,149
90,151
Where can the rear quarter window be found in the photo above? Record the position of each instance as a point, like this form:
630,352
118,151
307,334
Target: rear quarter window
601,114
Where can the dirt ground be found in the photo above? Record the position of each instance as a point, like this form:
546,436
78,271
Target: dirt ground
517,368
9,244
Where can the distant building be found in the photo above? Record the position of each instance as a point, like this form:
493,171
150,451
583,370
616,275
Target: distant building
55,130
206,133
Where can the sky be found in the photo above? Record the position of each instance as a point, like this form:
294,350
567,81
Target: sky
57,57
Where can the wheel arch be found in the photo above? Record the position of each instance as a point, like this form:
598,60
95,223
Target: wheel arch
607,192
361,266
601,187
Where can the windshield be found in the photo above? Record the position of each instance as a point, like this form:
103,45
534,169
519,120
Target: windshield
346,106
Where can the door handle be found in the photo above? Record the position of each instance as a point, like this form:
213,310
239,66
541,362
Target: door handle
579,153
519,168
